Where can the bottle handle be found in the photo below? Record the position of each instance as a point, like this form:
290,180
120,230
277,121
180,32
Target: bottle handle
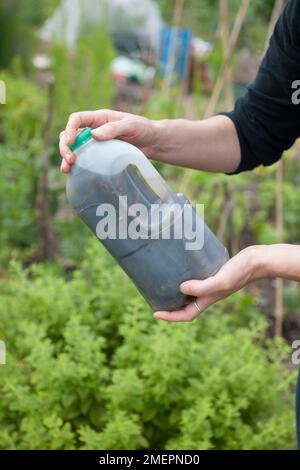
150,175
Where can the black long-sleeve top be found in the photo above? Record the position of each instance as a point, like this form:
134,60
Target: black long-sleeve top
267,117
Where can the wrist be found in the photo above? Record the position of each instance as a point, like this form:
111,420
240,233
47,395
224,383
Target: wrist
158,140
259,262
282,260
268,261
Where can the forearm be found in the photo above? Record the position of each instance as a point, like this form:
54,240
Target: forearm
210,145
280,260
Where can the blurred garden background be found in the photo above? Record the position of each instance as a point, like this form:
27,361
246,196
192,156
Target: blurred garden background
88,367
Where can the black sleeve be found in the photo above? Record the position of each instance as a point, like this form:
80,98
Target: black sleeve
266,119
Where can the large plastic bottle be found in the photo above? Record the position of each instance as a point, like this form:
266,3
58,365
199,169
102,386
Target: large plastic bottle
117,173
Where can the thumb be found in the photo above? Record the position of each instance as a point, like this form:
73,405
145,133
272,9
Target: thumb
206,287
111,130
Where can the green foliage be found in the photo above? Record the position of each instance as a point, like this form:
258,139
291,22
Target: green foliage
203,18
164,105
88,367
291,297
21,123
22,128
21,131
82,79
18,220
18,23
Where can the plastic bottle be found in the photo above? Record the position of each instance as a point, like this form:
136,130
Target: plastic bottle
103,172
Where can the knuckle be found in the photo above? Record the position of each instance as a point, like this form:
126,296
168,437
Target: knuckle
131,125
133,122
73,117
62,142
103,112
63,151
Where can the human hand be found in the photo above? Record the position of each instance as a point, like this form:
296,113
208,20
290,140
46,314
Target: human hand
245,267
106,125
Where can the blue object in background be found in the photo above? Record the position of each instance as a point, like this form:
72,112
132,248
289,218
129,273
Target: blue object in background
174,52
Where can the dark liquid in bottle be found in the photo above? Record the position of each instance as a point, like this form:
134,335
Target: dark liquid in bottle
156,266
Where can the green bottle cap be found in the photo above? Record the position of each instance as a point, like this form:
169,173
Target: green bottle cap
82,138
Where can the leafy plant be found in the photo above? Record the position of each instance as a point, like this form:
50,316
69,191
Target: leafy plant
88,367
22,128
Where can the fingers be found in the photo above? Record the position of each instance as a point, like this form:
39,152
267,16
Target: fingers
185,315
190,312
91,119
209,286
65,167
114,129
64,149
107,131
82,119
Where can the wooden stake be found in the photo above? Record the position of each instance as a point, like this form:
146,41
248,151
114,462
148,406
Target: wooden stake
46,237
277,10
279,308
178,13
234,36
233,39
225,24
